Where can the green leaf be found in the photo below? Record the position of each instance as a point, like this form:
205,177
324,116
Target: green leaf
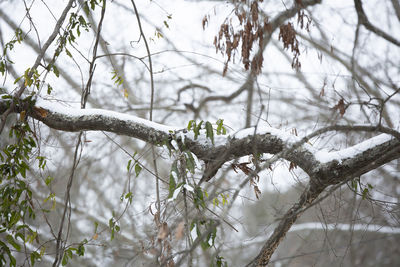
18,79
92,4
365,193
14,219
138,169
48,180
166,24
65,259
190,164
191,124
69,252
129,196
112,234
34,256
172,182
220,127
96,225
21,236
81,248
56,71
172,185
198,198
12,242
129,165
86,8
196,130
210,131
13,261
68,53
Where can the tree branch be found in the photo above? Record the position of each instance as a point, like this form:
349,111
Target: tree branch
265,140
324,169
362,18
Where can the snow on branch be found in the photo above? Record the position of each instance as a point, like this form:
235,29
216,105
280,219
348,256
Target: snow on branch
332,166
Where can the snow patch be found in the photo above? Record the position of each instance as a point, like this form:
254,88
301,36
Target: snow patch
324,156
76,112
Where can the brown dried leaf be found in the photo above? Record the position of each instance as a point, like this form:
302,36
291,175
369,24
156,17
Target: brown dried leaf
163,232
257,191
341,107
204,22
180,230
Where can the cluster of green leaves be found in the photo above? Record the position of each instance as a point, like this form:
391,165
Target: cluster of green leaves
15,195
16,205
219,262
72,31
92,3
4,60
358,186
114,227
175,181
199,196
76,22
118,78
224,199
209,229
134,164
68,253
205,226
31,77
208,127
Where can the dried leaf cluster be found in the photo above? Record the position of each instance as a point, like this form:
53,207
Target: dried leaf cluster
253,27
251,30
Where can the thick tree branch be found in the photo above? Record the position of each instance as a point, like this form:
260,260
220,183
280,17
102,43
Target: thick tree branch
266,140
323,169
363,19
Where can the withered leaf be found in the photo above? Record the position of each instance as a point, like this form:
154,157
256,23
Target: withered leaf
341,107
180,230
163,231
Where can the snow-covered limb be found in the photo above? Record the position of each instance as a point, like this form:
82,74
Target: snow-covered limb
323,167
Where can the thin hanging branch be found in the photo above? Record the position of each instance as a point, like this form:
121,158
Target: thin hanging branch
84,98
151,103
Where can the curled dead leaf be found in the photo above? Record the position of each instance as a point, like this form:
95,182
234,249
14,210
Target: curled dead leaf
341,107
163,231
